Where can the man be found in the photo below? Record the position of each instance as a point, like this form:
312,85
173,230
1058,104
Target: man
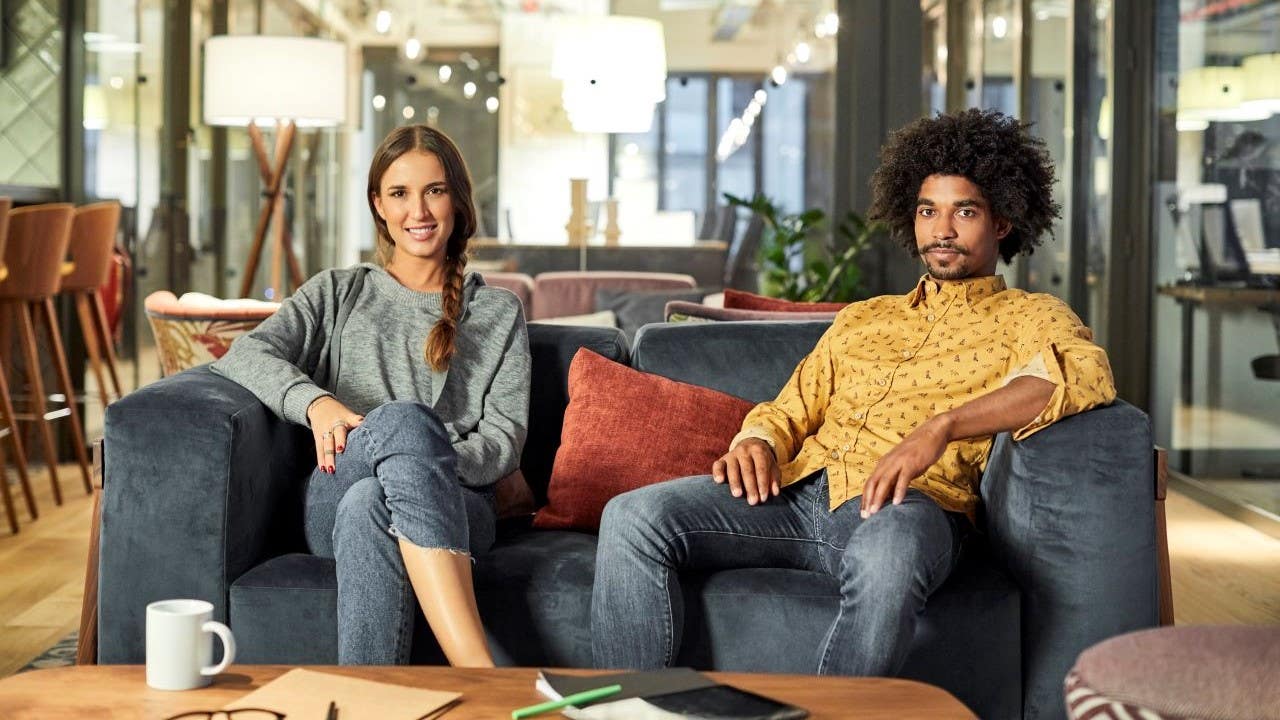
866,465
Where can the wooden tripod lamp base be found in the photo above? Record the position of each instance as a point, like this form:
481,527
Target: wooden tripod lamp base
272,173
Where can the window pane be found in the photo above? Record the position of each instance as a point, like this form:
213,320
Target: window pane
1217,229
736,174
685,184
784,142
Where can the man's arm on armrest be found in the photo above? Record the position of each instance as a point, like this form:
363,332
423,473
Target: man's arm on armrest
1003,410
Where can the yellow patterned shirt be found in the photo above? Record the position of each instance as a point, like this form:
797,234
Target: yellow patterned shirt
888,364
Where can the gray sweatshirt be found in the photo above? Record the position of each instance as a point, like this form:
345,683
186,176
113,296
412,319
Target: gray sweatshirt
483,397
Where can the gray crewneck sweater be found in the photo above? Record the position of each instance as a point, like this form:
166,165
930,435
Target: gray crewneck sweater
483,398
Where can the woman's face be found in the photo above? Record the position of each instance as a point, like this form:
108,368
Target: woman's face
413,199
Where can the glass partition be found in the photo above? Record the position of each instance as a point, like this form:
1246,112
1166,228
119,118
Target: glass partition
1216,386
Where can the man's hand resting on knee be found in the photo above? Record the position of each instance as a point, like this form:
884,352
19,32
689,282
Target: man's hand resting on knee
751,468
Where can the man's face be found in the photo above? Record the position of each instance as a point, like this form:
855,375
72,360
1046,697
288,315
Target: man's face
957,235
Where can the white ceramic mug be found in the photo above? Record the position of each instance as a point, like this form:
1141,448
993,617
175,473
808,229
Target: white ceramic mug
180,644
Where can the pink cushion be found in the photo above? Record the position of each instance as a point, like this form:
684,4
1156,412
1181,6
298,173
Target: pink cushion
558,294
684,311
1200,671
204,307
518,283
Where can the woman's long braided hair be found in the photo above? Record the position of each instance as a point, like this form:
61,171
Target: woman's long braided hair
440,342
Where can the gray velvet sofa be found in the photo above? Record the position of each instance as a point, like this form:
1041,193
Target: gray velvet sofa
201,499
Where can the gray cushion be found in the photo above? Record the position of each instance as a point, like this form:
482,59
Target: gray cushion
637,308
712,355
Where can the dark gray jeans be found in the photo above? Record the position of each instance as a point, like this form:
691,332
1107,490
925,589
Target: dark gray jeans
887,565
396,478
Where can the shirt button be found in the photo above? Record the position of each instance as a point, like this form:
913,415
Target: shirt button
906,354
835,454
857,416
930,318
846,448
882,381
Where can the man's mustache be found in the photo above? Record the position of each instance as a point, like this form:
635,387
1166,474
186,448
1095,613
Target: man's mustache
944,245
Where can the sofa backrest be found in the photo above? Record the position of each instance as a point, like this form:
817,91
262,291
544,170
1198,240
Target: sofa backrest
552,348
751,360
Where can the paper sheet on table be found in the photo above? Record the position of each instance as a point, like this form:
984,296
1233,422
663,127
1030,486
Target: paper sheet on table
306,694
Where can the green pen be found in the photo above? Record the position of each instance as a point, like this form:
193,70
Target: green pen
575,699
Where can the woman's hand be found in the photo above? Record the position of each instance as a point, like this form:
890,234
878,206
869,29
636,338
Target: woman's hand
330,421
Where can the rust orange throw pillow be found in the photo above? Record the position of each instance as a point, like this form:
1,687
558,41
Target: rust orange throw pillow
737,299
625,429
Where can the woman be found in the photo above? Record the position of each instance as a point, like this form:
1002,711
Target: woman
414,379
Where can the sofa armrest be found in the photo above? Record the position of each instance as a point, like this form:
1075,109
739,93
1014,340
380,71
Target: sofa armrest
1070,513
198,479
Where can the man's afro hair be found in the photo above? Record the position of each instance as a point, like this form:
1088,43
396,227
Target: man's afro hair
994,151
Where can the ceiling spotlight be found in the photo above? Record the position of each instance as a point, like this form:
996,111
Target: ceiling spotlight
491,104
117,82
412,48
779,74
761,97
469,90
379,102
382,22
407,112
445,73
803,52
491,76
433,114
999,27
831,23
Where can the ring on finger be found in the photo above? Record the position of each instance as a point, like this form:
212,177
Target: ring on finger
337,424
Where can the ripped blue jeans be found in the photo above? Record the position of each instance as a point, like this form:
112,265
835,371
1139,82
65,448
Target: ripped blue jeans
396,478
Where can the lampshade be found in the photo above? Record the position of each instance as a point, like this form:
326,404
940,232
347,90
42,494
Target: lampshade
1215,93
1262,82
264,79
613,70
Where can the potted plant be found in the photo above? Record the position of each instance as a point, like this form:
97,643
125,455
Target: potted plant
793,268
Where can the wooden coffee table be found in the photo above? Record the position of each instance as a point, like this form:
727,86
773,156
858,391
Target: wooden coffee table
111,692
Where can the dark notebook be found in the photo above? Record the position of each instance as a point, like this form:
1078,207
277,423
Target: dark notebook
672,692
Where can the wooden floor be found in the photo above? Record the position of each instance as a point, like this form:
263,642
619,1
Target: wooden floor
1223,571
42,568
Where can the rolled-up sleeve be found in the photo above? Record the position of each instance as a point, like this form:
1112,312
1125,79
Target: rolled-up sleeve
1054,345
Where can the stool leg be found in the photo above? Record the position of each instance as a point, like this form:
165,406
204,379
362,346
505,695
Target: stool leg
9,512
108,345
28,332
89,329
20,456
64,375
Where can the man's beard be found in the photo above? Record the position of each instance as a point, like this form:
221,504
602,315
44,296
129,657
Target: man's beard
957,270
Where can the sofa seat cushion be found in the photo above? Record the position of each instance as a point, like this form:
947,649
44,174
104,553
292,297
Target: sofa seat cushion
534,593
967,640
285,611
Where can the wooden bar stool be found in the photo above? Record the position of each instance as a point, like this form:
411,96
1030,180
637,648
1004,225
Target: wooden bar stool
93,235
10,427
37,244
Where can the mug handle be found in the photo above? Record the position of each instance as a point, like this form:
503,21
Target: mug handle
228,646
